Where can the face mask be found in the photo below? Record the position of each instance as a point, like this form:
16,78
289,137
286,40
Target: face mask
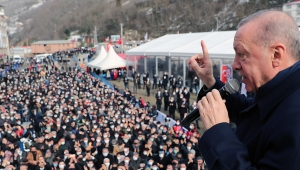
105,154
107,164
85,141
188,147
64,127
116,136
61,166
54,165
145,153
98,140
126,161
150,163
191,127
62,143
78,153
90,165
161,155
135,158
106,141
125,140
182,168
154,168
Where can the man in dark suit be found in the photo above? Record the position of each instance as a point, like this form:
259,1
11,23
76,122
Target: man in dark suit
166,99
158,97
183,108
172,107
165,80
186,95
267,132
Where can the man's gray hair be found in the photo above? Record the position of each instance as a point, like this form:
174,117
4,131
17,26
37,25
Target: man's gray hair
276,28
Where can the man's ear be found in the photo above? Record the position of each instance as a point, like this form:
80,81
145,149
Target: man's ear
278,55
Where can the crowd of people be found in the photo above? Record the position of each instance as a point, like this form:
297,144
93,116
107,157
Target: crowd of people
55,119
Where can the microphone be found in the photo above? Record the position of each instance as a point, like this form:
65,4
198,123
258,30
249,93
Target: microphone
231,86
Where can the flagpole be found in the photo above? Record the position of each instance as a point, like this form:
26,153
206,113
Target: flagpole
122,37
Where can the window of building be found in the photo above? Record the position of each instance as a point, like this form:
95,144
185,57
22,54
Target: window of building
288,7
298,5
298,12
298,20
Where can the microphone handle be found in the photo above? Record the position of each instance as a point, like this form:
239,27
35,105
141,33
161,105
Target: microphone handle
195,113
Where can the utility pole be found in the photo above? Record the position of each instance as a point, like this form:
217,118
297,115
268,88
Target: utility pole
54,31
95,36
217,23
122,36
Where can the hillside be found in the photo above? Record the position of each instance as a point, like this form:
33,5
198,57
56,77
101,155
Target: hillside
54,19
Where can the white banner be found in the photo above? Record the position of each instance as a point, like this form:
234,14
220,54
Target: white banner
161,117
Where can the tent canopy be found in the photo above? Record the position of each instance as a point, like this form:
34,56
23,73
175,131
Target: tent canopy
219,44
98,59
112,60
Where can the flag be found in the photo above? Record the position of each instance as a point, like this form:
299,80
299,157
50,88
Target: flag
120,41
106,39
83,40
88,40
146,36
73,40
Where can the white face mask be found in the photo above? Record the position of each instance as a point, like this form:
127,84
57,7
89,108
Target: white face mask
61,166
182,168
107,164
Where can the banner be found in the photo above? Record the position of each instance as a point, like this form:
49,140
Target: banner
161,117
226,72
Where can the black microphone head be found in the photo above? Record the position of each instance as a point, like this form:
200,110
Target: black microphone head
232,86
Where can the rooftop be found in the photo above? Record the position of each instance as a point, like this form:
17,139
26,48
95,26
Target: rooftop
294,2
53,42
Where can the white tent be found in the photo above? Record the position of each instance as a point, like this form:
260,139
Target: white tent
219,44
112,60
98,59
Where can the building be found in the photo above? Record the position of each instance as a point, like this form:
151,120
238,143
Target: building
293,9
22,51
131,35
52,46
4,44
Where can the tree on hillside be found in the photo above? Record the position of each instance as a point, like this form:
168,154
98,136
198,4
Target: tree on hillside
67,32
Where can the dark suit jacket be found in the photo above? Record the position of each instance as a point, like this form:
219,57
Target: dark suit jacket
268,128
183,109
158,99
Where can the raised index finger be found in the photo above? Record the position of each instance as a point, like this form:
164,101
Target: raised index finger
204,48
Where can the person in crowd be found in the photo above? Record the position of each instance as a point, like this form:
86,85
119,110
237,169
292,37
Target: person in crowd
172,107
158,97
155,81
166,96
148,86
